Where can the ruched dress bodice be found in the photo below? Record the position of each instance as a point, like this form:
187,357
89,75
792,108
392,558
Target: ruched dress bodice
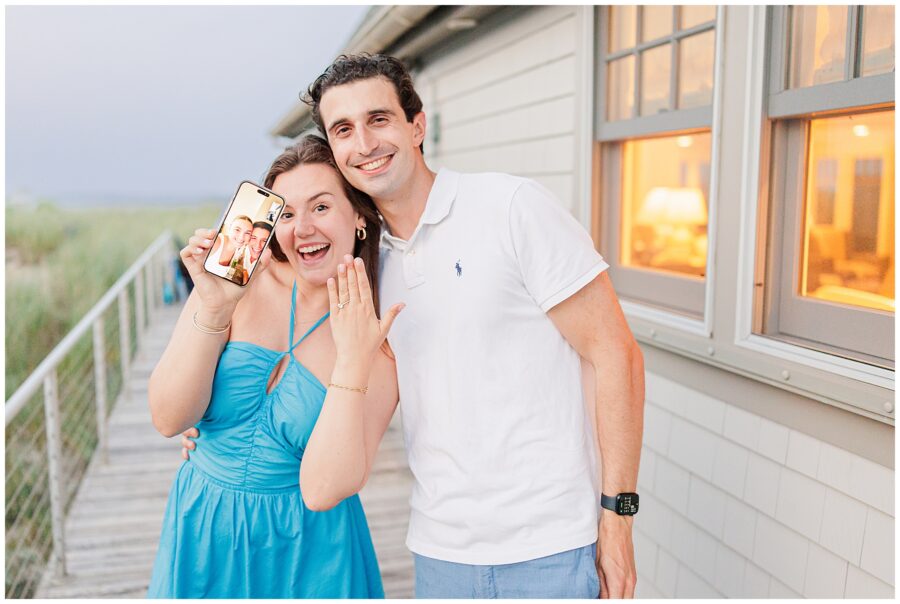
235,524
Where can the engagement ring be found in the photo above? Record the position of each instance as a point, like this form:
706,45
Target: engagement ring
343,304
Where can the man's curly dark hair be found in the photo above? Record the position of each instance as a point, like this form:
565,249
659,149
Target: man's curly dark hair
350,68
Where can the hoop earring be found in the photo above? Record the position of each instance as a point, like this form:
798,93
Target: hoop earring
361,233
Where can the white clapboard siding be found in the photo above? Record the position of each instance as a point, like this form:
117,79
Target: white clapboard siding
546,119
513,48
735,505
554,79
549,155
507,101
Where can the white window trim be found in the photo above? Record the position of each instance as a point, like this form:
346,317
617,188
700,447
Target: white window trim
728,341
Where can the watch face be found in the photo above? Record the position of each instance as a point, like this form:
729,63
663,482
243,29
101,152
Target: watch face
627,504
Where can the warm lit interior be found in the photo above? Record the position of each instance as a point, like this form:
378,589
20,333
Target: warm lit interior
849,218
665,188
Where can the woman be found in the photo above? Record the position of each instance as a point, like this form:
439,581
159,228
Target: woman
235,524
226,245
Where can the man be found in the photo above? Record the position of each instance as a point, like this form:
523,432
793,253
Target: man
504,296
258,238
503,292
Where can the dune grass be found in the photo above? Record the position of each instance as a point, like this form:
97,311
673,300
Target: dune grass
59,262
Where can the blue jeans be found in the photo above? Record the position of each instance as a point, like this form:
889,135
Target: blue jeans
570,574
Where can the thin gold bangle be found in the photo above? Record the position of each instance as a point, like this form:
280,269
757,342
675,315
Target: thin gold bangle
364,389
207,329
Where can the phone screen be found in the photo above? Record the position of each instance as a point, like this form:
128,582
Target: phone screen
246,229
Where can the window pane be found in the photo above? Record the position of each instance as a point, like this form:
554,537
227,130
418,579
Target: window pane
620,89
849,217
665,187
695,15
657,22
818,45
695,70
622,27
878,40
656,65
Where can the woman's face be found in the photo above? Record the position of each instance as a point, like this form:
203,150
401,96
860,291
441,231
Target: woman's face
239,231
318,224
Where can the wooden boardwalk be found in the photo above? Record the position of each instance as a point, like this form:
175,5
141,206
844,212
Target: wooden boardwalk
112,528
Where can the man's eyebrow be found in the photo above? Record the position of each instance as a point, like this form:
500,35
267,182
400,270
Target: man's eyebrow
338,121
370,113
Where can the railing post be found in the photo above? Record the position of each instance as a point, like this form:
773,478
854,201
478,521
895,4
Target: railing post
161,277
139,302
100,387
151,288
55,474
124,339
148,288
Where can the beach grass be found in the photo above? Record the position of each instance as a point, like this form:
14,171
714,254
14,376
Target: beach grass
59,262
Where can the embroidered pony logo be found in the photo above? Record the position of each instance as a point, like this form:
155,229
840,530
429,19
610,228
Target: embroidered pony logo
458,269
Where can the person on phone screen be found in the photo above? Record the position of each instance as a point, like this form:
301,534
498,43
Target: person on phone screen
293,386
238,235
258,237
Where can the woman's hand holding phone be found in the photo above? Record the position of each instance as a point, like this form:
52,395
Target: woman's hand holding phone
218,296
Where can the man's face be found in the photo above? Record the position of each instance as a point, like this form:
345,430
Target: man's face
374,146
258,240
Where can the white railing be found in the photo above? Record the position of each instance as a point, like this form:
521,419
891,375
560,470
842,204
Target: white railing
48,446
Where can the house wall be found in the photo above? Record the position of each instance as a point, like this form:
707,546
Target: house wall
734,503
509,101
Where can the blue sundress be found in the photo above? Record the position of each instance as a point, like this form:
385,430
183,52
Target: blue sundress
235,524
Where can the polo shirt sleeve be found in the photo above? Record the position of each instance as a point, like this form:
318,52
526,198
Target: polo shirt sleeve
555,253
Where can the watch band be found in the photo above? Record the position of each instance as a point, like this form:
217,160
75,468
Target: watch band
608,502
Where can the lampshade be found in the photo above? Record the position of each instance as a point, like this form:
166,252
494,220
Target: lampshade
675,206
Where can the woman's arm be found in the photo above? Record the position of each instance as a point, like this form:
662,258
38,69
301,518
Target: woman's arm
180,385
339,455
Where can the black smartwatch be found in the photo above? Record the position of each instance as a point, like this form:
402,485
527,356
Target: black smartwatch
623,504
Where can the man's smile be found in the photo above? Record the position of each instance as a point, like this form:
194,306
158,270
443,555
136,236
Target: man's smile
375,165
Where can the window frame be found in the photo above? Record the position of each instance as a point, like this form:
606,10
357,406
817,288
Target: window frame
689,298
727,337
865,335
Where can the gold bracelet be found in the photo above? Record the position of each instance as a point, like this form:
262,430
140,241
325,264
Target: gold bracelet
207,329
364,389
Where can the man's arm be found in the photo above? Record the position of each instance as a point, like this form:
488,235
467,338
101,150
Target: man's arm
592,321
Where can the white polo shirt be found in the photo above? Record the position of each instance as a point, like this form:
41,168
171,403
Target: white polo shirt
490,392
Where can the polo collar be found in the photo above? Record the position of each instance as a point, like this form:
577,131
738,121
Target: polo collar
437,206
441,197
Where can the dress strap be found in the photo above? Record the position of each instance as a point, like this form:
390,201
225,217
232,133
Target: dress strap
308,331
293,305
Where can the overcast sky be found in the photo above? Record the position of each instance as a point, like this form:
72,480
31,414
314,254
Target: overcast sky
155,102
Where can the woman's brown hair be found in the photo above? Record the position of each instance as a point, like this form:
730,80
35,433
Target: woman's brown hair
312,149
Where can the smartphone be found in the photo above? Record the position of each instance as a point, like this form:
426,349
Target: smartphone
247,226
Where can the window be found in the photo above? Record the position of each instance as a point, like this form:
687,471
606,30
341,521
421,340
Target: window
829,279
654,128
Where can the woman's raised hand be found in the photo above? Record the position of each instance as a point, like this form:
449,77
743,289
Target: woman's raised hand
356,329
217,295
